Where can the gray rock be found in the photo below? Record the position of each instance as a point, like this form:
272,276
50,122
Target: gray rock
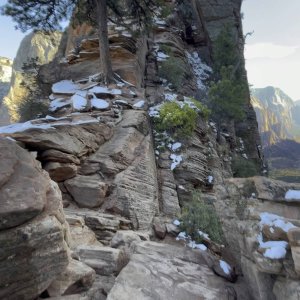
60,171
135,196
165,272
87,191
75,279
76,140
172,229
160,228
58,156
124,238
23,185
286,289
104,260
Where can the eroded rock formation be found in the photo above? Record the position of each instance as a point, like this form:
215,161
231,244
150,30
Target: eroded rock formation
123,183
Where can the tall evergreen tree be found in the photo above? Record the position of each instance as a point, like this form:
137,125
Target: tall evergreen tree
228,91
47,15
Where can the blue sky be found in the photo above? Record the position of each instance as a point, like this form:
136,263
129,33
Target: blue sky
9,37
273,51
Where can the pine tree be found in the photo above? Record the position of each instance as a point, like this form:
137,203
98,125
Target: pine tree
48,15
228,91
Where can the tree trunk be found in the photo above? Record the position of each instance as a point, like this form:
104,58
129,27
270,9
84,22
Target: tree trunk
105,62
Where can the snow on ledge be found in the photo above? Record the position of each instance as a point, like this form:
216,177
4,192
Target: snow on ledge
292,195
225,267
275,220
20,127
65,87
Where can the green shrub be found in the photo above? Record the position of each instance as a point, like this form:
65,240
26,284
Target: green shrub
203,109
198,215
31,108
243,168
173,69
176,120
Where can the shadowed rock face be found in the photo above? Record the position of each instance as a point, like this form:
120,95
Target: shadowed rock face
32,225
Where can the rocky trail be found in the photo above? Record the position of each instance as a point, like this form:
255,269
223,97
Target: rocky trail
90,197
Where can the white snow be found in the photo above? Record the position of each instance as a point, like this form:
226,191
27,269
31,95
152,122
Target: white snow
170,97
162,56
154,111
10,138
292,195
203,234
79,102
58,103
245,155
139,104
275,253
210,179
126,34
19,127
122,102
176,222
275,220
65,87
99,103
181,236
181,187
194,245
105,90
159,21
225,267
274,249
201,70
176,160
175,146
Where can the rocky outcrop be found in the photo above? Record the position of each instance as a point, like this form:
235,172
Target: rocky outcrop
33,228
260,222
162,271
44,47
5,76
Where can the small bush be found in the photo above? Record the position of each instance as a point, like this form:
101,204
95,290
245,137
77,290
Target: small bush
31,108
173,69
178,121
243,168
198,215
203,109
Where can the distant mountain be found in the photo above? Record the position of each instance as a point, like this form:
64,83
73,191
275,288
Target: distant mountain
284,160
277,115
296,112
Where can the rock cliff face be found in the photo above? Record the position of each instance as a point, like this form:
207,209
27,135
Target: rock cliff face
34,45
5,77
123,182
275,113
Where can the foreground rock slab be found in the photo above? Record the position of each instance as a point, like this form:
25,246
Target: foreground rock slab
161,271
34,232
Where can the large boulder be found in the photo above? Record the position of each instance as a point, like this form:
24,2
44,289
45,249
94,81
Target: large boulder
162,271
33,232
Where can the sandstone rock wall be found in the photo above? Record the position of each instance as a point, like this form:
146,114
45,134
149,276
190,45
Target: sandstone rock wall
33,230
